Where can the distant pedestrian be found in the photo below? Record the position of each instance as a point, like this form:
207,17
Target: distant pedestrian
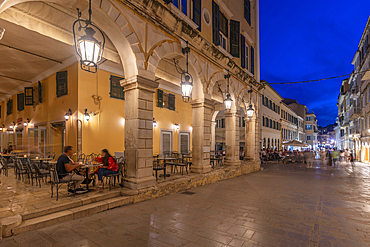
335,155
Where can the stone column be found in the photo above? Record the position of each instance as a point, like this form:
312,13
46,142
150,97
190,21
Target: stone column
231,138
213,136
202,109
250,139
139,132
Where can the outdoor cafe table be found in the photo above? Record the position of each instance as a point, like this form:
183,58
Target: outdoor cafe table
166,160
87,167
41,160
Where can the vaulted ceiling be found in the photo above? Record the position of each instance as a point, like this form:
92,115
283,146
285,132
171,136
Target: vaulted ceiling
38,42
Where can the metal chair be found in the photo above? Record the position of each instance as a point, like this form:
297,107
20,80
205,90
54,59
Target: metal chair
158,167
40,173
115,175
56,182
4,169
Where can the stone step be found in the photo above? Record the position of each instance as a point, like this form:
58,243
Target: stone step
70,214
69,205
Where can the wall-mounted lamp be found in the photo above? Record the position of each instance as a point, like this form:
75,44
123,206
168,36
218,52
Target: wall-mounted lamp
154,123
26,122
2,127
12,125
177,126
68,114
86,116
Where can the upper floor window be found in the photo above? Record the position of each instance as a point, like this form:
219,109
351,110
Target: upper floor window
220,123
9,107
165,100
308,126
244,53
190,8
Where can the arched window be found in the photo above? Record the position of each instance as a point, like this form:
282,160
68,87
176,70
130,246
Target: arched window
264,142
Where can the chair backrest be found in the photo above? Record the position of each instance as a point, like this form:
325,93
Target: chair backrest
54,176
37,168
121,167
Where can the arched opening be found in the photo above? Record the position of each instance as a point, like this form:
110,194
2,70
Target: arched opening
38,41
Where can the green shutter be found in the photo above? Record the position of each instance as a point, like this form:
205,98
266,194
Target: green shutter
242,53
160,98
39,92
62,83
9,107
171,102
20,101
216,23
28,91
116,90
234,38
247,11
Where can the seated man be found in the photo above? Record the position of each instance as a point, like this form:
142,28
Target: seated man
65,166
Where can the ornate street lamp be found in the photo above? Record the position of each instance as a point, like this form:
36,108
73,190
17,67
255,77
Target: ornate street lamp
250,110
186,78
228,101
90,45
11,126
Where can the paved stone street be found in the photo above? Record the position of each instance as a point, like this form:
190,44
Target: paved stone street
283,205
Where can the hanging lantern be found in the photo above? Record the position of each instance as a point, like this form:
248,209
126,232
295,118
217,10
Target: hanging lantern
228,101
186,78
250,110
90,45
186,86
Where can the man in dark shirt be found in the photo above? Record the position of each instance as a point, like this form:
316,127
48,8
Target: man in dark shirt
65,166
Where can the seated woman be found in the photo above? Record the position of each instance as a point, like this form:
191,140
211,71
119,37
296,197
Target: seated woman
109,166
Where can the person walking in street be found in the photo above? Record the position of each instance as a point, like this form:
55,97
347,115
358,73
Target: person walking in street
335,155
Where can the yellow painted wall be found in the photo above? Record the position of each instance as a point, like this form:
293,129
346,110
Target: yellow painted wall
52,109
166,119
106,129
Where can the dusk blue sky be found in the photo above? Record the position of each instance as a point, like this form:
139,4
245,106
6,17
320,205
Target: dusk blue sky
304,40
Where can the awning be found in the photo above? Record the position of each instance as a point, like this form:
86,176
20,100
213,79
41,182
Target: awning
295,143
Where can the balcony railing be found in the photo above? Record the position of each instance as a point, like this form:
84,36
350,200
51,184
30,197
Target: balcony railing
354,112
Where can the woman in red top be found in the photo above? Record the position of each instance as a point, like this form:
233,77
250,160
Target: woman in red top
109,166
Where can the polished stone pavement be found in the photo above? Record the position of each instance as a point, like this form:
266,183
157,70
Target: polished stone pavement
282,205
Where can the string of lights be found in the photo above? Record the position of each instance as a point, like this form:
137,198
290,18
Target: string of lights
316,80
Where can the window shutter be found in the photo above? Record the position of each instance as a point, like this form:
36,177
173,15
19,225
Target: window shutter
234,38
9,107
62,84
216,23
242,52
252,60
171,101
116,90
160,98
222,123
197,13
28,96
20,101
176,3
39,91
247,11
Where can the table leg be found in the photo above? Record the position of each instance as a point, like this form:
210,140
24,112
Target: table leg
87,178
